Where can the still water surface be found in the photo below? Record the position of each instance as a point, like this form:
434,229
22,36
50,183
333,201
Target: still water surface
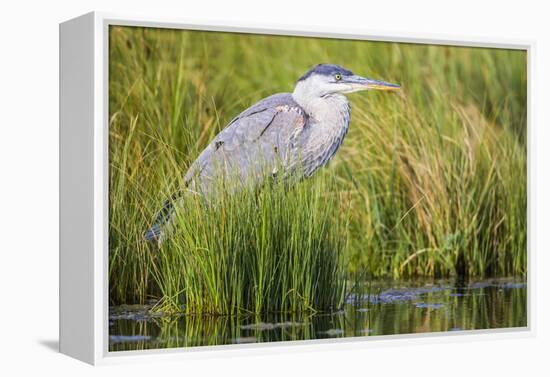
390,307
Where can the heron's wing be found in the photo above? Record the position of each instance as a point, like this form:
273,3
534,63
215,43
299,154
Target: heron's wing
260,137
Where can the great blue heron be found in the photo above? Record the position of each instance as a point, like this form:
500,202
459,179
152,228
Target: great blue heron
282,134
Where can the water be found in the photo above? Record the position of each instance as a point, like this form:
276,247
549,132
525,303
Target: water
391,308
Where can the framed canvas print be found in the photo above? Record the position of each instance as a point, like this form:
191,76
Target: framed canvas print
226,188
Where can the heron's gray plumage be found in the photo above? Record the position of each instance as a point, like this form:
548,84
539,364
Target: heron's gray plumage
282,135
266,131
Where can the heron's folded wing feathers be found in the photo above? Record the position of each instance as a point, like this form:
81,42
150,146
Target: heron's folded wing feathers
262,133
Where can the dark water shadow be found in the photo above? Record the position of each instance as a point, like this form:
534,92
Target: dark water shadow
51,344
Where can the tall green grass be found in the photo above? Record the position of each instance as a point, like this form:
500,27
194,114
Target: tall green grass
429,182
278,249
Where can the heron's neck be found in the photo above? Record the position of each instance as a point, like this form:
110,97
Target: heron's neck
328,124
322,109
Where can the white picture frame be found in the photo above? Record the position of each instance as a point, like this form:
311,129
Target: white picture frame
84,190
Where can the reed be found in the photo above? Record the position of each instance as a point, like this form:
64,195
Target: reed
431,182
275,250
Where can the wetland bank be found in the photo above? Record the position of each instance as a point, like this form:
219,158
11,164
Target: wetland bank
419,223
397,307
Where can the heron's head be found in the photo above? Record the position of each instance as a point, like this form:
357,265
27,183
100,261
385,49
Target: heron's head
329,79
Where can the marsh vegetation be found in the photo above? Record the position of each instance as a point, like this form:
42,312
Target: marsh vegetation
430,183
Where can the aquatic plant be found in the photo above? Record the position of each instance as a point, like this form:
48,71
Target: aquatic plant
428,183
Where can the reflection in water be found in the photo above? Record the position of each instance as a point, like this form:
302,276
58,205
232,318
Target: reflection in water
388,308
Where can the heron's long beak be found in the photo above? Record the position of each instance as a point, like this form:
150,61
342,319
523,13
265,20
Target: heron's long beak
363,83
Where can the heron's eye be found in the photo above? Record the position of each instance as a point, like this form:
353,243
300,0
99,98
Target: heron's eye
338,77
